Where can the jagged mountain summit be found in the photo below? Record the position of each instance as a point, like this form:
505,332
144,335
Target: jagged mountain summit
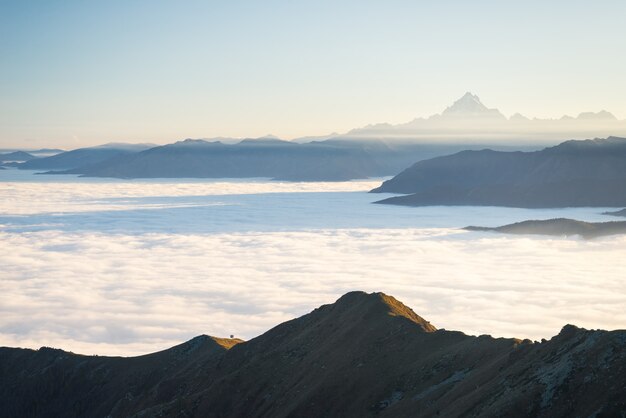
470,106
366,355
468,119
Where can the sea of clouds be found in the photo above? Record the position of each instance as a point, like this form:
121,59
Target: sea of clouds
123,267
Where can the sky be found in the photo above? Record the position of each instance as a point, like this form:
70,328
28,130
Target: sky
75,73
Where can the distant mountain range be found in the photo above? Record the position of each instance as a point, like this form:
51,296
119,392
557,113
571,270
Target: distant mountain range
271,158
366,355
35,152
559,227
329,160
82,156
469,120
373,151
15,156
571,174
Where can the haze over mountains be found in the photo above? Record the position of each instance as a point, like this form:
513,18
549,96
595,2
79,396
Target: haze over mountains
82,156
571,174
328,160
364,355
376,150
271,158
385,150
469,120
15,156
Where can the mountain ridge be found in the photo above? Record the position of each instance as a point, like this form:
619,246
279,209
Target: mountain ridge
468,119
328,160
571,174
364,355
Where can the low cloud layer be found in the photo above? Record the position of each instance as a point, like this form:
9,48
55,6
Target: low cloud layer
26,197
98,289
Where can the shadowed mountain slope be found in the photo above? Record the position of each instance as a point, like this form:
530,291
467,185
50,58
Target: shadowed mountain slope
82,157
271,158
364,355
329,160
16,156
572,174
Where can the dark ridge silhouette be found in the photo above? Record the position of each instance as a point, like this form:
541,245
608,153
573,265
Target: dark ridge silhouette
16,156
559,227
82,157
366,355
281,160
329,160
571,174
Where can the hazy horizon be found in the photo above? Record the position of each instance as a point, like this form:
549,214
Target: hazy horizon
76,75
454,124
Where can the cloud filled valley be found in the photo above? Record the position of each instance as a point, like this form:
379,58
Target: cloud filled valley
133,267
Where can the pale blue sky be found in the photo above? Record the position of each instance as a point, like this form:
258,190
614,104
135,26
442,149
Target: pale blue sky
76,73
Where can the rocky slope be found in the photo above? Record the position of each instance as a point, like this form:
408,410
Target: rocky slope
572,174
364,355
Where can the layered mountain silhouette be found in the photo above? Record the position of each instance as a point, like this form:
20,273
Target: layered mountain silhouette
329,160
16,156
249,158
571,174
468,119
364,355
82,156
372,151
559,227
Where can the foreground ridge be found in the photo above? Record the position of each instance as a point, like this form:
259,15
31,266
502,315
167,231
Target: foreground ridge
364,355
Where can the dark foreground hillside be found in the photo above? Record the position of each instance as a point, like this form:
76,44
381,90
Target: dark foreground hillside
364,355
572,174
